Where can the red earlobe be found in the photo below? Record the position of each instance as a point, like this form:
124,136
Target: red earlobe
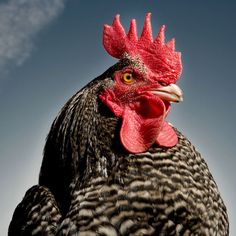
108,97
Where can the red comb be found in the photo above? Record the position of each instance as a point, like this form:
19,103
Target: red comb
160,58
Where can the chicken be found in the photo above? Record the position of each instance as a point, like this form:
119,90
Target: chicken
113,165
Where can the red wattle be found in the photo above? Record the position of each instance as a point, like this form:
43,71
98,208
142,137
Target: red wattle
167,137
141,123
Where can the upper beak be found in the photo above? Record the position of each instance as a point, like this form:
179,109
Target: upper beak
171,93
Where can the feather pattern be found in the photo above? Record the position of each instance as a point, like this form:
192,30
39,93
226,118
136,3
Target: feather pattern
112,165
89,185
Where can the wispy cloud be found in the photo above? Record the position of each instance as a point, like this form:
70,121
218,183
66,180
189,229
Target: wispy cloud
20,21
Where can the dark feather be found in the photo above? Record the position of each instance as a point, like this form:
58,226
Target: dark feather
94,187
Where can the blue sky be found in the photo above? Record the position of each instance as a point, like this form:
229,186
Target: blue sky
49,49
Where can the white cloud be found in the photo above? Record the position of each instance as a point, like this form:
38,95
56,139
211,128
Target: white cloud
20,21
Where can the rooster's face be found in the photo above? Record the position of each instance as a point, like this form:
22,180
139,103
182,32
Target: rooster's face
145,87
143,103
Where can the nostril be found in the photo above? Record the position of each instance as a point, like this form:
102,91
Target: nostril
162,83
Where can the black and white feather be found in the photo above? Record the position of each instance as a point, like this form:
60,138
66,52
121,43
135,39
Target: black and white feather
89,185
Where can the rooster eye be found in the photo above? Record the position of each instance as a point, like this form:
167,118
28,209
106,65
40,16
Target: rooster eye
128,78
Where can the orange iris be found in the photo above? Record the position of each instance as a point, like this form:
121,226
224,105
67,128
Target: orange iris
128,78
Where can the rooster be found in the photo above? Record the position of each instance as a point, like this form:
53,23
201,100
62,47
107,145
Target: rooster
113,165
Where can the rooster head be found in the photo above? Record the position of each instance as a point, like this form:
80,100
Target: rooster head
145,87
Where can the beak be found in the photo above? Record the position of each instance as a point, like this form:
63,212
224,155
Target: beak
170,93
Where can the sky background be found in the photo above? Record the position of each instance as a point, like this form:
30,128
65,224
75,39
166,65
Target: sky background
49,49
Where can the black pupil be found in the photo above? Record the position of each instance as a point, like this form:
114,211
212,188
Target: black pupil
128,77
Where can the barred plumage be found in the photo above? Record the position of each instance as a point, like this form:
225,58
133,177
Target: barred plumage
94,187
96,181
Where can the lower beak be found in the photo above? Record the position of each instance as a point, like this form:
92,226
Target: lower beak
170,93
